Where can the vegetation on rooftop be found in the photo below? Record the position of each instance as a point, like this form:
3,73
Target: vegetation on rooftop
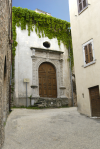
44,25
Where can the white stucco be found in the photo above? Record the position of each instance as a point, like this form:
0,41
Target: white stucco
85,26
27,62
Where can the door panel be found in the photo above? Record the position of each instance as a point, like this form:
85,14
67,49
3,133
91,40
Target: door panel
47,81
95,101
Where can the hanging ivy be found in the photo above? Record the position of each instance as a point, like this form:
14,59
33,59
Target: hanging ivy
45,26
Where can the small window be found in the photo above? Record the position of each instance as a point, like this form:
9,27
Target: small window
46,44
88,53
82,4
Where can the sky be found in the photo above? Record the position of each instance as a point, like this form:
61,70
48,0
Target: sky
57,8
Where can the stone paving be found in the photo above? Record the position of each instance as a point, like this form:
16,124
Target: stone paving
62,128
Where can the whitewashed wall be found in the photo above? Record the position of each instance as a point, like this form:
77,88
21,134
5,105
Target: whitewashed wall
23,61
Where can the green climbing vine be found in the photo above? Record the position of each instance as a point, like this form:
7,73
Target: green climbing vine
44,25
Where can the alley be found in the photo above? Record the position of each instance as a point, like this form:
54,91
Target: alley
62,128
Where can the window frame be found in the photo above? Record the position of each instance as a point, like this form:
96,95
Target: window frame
84,58
83,8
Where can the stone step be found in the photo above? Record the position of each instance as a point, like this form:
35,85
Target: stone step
40,105
51,102
38,102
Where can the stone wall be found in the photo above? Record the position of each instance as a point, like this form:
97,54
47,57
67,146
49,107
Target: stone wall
5,61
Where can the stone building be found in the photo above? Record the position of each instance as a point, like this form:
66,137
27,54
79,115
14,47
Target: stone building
5,62
46,66
85,20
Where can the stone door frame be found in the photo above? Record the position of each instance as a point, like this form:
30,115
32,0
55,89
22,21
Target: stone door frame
37,60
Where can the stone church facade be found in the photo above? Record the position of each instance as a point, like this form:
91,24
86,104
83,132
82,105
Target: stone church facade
46,66
5,62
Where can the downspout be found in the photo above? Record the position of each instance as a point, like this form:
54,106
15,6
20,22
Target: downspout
11,65
71,73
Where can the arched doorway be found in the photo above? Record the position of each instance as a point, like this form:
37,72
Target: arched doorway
47,81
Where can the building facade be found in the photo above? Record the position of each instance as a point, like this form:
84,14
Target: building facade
5,62
84,17
45,65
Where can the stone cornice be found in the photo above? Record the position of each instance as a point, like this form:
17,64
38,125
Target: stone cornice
46,50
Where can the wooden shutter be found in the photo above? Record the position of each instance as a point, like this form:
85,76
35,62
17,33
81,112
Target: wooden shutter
90,52
84,3
79,5
86,54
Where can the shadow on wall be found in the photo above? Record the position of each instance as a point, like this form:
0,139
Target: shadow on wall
74,90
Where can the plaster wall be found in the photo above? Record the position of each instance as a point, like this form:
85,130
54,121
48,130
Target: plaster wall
85,26
26,65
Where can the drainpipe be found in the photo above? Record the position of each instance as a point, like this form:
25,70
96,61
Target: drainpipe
71,75
11,65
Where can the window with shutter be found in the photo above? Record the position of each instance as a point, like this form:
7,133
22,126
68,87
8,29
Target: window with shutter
82,4
88,53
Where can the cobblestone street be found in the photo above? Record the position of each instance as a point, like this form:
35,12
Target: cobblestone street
62,128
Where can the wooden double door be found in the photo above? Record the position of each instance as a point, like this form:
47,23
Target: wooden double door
47,81
95,101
